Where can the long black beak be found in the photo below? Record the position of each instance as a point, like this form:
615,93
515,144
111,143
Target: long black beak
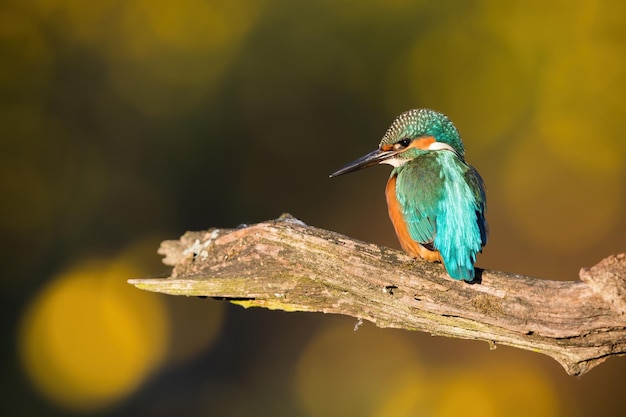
372,158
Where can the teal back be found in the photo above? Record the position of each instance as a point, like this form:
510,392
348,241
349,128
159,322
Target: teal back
443,203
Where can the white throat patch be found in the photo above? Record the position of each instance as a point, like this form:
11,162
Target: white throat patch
440,146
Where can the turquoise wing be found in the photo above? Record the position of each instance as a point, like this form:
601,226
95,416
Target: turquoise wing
418,189
443,204
461,228
476,184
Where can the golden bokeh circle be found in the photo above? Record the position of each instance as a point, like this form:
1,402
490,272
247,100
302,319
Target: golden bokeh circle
580,113
496,389
557,205
470,74
89,339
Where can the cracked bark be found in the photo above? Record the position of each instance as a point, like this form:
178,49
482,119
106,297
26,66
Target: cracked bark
284,264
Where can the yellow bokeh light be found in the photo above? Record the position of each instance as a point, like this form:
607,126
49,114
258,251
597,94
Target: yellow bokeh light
578,75
408,396
89,339
379,373
581,107
467,73
536,26
496,389
165,57
550,201
346,373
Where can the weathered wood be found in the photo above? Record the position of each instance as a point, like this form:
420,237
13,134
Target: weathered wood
287,265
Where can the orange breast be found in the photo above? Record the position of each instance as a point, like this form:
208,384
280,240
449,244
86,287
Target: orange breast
410,246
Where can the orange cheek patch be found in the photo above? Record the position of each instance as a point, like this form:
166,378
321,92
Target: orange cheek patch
422,143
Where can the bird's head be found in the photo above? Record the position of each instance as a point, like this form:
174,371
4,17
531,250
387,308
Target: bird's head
411,134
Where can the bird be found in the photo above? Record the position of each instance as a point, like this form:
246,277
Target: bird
436,200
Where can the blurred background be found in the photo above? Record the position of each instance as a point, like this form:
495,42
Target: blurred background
127,122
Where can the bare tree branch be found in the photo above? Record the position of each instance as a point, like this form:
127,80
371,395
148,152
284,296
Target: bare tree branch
287,265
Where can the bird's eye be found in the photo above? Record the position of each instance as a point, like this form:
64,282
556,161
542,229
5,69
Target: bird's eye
403,143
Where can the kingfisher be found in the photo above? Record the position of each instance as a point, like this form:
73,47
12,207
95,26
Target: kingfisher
436,200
